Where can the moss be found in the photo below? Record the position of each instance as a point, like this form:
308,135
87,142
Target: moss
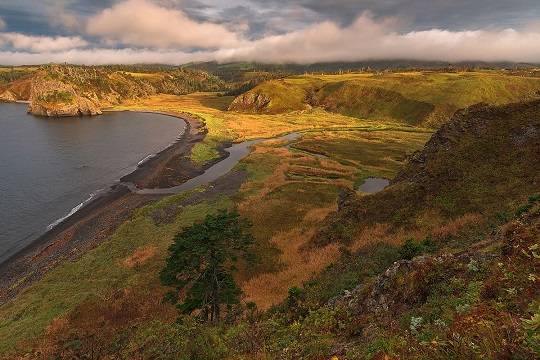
57,97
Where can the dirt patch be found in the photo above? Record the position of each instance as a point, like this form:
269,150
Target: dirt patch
140,256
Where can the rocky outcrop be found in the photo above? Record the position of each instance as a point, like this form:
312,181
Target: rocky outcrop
250,101
54,98
8,96
79,107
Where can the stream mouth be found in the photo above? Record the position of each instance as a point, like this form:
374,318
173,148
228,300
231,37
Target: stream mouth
236,153
372,185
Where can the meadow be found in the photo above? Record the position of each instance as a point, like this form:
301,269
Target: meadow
288,192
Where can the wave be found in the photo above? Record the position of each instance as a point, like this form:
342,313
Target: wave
74,210
148,157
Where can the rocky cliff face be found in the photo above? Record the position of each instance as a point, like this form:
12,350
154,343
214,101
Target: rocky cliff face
49,97
18,90
8,96
250,101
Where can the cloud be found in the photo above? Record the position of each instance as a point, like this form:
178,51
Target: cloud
59,16
143,23
420,14
369,39
366,38
100,56
41,43
2,24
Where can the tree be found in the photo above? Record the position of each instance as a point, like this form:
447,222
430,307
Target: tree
201,263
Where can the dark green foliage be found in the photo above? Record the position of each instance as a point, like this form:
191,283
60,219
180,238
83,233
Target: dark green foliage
528,206
412,248
12,75
56,97
201,264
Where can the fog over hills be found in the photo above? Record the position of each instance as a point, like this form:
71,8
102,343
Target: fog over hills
172,32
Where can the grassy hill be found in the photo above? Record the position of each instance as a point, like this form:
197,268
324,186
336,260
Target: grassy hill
67,90
426,98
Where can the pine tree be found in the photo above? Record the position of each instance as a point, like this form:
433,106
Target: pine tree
201,263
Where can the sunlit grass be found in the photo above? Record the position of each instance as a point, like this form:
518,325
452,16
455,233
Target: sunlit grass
287,195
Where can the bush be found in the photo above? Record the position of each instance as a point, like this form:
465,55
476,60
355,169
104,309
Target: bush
412,248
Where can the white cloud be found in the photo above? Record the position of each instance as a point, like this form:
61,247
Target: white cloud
101,56
41,43
142,23
365,39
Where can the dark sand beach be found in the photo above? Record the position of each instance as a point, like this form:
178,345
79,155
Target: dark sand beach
98,219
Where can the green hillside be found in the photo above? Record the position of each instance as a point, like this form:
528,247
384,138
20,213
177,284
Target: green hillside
426,98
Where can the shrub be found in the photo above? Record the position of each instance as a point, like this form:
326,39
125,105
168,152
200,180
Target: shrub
412,248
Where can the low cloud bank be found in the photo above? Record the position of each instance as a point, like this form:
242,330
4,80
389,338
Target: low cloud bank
137,31
41,43
368,39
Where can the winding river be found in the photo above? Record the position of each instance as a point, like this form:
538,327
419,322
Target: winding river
236,153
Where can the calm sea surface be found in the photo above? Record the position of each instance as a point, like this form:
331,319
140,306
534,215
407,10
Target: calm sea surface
48,167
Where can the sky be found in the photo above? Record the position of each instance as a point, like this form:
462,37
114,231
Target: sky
276,31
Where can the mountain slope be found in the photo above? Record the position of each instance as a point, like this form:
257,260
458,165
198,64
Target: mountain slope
481,161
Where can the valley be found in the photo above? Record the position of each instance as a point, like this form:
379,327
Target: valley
442,262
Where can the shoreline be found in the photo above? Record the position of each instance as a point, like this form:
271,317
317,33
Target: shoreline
100,217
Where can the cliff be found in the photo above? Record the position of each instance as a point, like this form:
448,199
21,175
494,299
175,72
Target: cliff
50,97
66,90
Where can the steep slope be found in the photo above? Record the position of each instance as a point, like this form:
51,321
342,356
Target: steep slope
481,161
426,98
475,303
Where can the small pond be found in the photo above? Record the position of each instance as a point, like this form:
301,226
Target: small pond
373,185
